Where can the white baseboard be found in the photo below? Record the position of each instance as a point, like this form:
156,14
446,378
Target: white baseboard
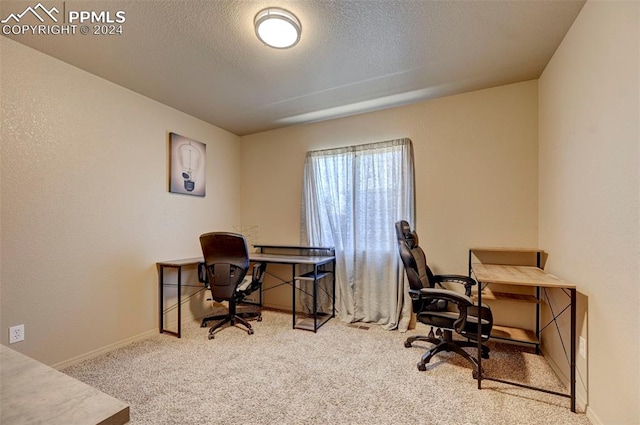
104,350
173,324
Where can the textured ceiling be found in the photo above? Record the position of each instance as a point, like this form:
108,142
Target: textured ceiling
203,58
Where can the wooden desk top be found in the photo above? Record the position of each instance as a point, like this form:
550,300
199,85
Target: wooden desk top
259,257
33,393
291,259
506,250
298,247
182,262
517,275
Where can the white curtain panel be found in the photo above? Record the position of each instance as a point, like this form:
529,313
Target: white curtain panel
351,199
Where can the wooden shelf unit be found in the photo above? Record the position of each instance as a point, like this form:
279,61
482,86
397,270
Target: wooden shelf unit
311,276
311,324
313,273
510,334
489,294
504,292
311,283
523,272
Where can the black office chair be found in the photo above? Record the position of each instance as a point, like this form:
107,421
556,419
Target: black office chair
431,304
225,267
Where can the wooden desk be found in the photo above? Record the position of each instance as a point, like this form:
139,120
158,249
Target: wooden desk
178,265
536,277
517,275
317,258
34,393
270,254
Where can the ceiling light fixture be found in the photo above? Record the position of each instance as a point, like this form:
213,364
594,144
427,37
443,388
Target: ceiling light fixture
277,28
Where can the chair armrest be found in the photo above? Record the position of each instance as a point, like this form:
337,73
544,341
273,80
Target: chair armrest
467,323
447,294
415,294
255,282
258,272
202,274
463,280
421,302
469,327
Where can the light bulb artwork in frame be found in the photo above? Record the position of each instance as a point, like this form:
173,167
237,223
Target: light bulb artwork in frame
187,174
189,158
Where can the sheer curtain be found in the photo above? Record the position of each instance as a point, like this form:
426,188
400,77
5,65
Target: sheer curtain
352,197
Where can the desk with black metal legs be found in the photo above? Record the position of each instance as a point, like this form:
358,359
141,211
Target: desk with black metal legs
321,261
528,276
178,265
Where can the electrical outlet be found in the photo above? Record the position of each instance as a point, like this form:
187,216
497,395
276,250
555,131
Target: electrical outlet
583,348
16,334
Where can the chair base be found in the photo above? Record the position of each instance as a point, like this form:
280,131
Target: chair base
447,343
232,319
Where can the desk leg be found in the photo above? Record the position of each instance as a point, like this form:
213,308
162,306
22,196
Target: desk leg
161,292
161,300
479,335
315,298
538,338
179,300
333,311
293,281
573,350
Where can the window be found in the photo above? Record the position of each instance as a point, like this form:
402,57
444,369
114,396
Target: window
352,197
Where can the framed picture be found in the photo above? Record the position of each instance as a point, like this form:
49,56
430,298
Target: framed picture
187,166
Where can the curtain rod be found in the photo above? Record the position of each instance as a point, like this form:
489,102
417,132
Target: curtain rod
365,146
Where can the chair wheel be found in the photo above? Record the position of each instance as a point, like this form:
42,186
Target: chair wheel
203,324
422,367
259,319
407,344
211,336
250,331
475,374
485,355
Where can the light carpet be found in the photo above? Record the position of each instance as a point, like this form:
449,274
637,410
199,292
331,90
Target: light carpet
340,375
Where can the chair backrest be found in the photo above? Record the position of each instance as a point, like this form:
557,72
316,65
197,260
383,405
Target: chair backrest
413,257
226,260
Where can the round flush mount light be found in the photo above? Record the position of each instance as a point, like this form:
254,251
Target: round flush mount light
277,28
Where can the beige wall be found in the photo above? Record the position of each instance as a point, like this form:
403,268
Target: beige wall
85,209
86,214
476,171
589,195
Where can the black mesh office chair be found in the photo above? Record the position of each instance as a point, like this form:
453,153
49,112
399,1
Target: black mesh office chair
433,305
225,267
